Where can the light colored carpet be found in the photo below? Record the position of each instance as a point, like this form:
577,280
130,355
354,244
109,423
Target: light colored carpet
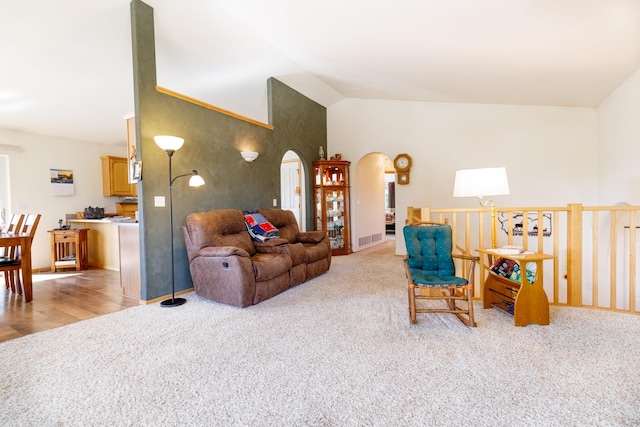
335,351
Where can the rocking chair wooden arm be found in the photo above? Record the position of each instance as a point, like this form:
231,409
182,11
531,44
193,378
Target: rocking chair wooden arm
466,256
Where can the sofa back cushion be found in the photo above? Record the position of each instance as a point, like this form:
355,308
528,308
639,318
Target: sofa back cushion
283,220
220,227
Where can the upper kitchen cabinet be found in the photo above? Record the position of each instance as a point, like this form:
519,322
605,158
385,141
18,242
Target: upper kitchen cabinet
115,177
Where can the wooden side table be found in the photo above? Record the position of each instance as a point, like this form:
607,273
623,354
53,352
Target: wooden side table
69,249
526,301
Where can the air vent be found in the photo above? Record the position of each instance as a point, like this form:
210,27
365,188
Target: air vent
367,240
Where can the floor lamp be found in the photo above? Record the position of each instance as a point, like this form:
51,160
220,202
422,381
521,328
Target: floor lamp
479,183
170,144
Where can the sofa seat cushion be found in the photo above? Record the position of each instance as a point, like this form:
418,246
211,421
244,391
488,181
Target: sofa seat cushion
297,252
316,252
269,266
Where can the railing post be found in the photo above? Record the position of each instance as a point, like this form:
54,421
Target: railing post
574,254
425,214
410,214
417,214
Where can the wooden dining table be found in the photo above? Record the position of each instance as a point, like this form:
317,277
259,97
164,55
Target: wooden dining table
24,242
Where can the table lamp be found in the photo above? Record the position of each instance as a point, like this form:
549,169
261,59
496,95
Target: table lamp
480,183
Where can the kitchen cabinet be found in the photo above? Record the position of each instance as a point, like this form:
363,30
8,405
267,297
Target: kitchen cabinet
102,242
126,209
115,177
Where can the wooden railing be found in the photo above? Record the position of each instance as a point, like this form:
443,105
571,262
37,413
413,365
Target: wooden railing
595,248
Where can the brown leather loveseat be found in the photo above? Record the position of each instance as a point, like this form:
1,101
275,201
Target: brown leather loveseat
228,266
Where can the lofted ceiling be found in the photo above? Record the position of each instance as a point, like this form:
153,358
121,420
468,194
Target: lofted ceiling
66,64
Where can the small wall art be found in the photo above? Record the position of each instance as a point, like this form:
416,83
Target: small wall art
61,182
135,171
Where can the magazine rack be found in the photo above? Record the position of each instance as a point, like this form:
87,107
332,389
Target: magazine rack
526,300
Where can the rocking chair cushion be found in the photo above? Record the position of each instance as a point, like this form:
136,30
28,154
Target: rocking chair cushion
423,279
429,250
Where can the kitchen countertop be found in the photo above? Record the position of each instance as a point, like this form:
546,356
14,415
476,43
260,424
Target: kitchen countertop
106,220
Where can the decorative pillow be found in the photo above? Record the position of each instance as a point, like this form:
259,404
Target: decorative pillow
259,227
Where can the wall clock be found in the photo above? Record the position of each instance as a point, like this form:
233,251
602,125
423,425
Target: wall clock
402,163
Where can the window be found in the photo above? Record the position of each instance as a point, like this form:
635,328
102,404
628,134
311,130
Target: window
5,196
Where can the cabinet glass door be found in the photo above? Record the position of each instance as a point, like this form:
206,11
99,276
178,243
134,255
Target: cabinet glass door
334,204
319,208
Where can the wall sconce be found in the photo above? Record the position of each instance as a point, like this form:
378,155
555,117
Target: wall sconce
479,183
170,144
249,156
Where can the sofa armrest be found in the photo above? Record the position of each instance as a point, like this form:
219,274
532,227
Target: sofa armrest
222,251
267,245
311,236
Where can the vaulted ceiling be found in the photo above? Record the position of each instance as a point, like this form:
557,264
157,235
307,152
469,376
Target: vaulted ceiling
66,64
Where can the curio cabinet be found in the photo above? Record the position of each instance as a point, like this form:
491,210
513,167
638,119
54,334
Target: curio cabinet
331,201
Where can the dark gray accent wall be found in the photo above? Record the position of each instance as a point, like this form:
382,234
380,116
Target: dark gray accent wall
301,126
213,141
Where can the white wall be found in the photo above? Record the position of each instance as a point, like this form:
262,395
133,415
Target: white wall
30,159
550,152
619,145
368,177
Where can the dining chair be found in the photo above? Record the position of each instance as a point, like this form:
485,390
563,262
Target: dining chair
8,253
11,265
14,224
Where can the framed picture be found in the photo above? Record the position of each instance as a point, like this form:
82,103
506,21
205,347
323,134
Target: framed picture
132,152
135,170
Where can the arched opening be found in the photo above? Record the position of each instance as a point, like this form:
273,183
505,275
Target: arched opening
292,193
374,183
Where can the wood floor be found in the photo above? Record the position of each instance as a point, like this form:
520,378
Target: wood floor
60,299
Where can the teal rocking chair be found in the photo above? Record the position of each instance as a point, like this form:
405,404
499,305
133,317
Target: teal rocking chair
431,272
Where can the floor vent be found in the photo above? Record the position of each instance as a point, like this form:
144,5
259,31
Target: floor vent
367,240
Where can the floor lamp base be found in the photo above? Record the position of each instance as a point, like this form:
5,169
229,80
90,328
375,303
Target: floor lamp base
173,302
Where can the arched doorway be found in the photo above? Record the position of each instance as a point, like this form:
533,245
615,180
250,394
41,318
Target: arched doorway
370,179
292,194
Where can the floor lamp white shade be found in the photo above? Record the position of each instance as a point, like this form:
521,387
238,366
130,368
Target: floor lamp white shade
168,142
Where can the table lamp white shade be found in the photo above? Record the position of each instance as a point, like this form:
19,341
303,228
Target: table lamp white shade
481,182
